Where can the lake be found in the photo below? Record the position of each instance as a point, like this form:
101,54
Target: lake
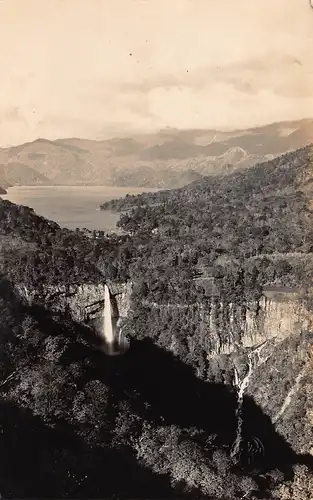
72,206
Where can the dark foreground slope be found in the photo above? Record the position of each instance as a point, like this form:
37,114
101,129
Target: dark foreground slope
161,420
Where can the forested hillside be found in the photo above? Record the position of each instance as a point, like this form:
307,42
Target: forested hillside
239,223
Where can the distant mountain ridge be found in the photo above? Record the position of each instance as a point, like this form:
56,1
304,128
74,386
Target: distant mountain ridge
166,159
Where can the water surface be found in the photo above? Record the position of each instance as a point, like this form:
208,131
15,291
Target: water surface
72,206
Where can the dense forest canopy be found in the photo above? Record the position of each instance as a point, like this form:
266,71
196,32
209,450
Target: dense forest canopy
238,224
253,207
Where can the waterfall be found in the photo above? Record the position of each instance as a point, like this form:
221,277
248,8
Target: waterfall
254,360
241,386
107,317
114,341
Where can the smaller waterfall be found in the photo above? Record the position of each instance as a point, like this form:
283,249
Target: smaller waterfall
254,360
241,386
114,340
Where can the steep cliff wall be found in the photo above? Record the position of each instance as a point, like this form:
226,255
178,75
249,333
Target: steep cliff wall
272,317
227,327
83,301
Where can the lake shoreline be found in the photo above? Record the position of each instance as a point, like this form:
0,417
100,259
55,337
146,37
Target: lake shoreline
73,206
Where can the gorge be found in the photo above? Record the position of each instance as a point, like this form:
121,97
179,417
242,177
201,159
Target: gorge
211,285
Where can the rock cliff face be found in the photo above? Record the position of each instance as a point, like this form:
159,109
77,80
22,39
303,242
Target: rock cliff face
83,301
276,316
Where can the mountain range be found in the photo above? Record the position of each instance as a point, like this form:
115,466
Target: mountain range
166,159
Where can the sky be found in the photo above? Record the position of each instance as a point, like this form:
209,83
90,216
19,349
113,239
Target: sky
103,68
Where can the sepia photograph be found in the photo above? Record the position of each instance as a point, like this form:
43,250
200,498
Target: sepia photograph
156,249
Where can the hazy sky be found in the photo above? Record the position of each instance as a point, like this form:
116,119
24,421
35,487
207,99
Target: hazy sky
95,68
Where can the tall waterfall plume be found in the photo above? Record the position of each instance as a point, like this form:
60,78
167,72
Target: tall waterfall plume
114,340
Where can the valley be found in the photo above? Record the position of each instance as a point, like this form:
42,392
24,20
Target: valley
213,398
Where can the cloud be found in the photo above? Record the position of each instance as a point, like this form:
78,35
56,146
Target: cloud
67,67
